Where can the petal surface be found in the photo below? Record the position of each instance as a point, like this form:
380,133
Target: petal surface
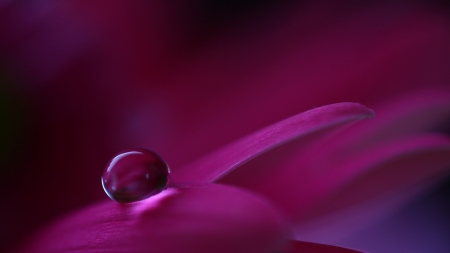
401,164
195,218
377,158
308,247
386,170
409,114
371,186
321,120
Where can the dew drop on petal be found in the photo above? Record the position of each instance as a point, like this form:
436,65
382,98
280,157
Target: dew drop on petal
134,175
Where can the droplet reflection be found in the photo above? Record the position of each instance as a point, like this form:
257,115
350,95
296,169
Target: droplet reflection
134,175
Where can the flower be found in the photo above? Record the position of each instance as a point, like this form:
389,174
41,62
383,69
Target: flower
209,217
104,77
200,217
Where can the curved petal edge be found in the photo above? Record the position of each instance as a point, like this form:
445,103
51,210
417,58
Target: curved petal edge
222,161
193,219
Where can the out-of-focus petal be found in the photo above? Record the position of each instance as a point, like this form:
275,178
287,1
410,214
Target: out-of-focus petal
300,190
303,174
321,120
195,218
419,111
308,247
371,185
383,171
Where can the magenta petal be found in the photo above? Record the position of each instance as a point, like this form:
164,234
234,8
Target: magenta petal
370,186
196,218
326,118
299,179
308,247
404,116
382,172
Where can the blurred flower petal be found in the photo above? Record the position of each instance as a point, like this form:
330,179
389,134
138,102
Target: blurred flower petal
297,177
308,247
323,119
405,163
370,186
195,218
384,171
404,116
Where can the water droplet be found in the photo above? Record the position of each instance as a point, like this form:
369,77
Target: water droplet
134,175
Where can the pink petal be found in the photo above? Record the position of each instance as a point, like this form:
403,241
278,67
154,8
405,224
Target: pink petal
371,186
395,119
399,165
384,171
195,218
319,121
293,176
308,247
